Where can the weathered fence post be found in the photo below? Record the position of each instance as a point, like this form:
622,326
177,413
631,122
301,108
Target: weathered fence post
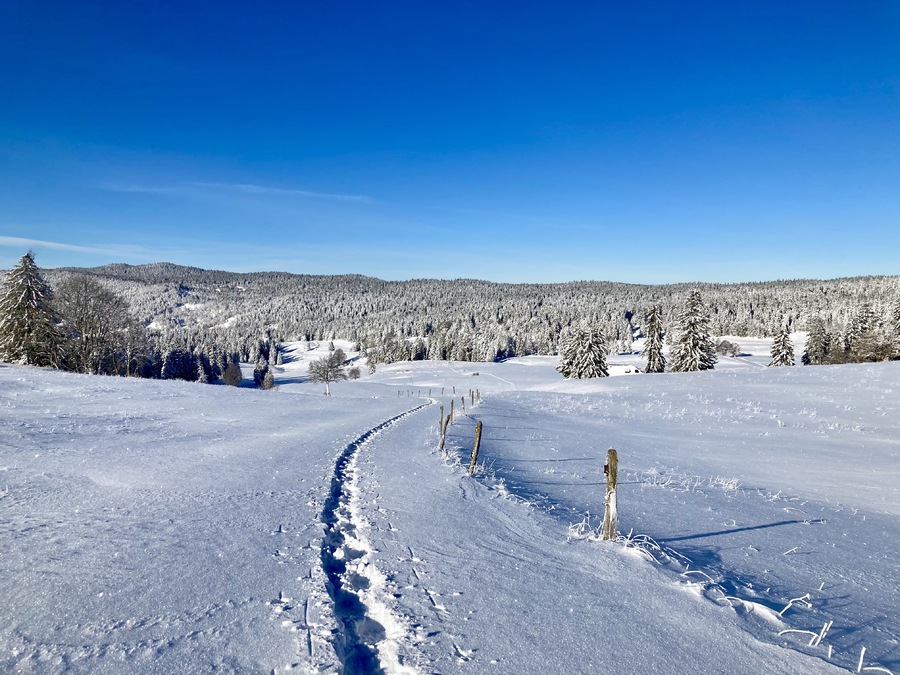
478,393
444,423
610,514
474,459
454,390
451,411
471,397
441,423
462,404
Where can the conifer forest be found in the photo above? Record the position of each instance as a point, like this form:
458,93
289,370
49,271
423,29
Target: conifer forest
175,322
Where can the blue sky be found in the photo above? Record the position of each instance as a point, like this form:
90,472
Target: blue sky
646,142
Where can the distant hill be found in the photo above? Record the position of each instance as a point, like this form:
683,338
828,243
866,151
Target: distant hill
479,314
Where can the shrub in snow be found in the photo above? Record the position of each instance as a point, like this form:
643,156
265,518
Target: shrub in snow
727,348
232,374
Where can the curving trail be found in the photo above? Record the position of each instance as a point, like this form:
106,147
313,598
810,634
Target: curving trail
369,635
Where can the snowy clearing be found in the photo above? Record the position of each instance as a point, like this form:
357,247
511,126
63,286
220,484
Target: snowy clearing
157,526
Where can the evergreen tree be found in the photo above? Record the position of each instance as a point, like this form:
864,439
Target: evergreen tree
893,331
816,350
865,338
178,364
28,332
864,321
694,348
653,343
371,353
259,372
583,354
420,351
782,349
232,375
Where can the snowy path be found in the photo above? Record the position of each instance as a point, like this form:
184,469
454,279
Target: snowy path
489,584
166,526
371,637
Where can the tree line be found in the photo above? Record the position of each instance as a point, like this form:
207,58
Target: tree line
164,320
866,338
84,326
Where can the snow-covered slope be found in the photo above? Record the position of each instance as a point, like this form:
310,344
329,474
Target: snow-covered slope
175,527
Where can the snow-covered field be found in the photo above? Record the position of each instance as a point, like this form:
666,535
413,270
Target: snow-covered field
151,526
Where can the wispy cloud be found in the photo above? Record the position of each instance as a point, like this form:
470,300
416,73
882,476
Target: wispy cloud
250,188
132,252
245,188
56,245
144,189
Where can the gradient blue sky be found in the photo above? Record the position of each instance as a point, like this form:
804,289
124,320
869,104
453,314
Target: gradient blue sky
647,142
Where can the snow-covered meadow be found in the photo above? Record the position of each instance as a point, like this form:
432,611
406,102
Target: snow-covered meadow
150,526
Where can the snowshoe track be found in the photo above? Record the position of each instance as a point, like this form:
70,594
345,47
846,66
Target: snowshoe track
367,641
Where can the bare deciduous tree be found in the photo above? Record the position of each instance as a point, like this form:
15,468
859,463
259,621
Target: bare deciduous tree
328,369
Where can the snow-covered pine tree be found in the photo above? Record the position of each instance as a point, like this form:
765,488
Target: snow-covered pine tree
895,318
816,350
693,348
202,377
864,321
782,349
583,354
259,371
893,330
28,332
178,363
653,342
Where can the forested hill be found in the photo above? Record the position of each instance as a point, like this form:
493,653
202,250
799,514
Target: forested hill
476,314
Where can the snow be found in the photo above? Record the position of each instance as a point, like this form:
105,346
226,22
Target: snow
162,526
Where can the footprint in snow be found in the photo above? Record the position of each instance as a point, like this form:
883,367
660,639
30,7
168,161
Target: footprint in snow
463,655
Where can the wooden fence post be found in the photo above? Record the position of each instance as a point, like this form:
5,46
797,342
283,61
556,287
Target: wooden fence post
610,514
441,423
451,411
462,403
443,431
472,396
474,459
